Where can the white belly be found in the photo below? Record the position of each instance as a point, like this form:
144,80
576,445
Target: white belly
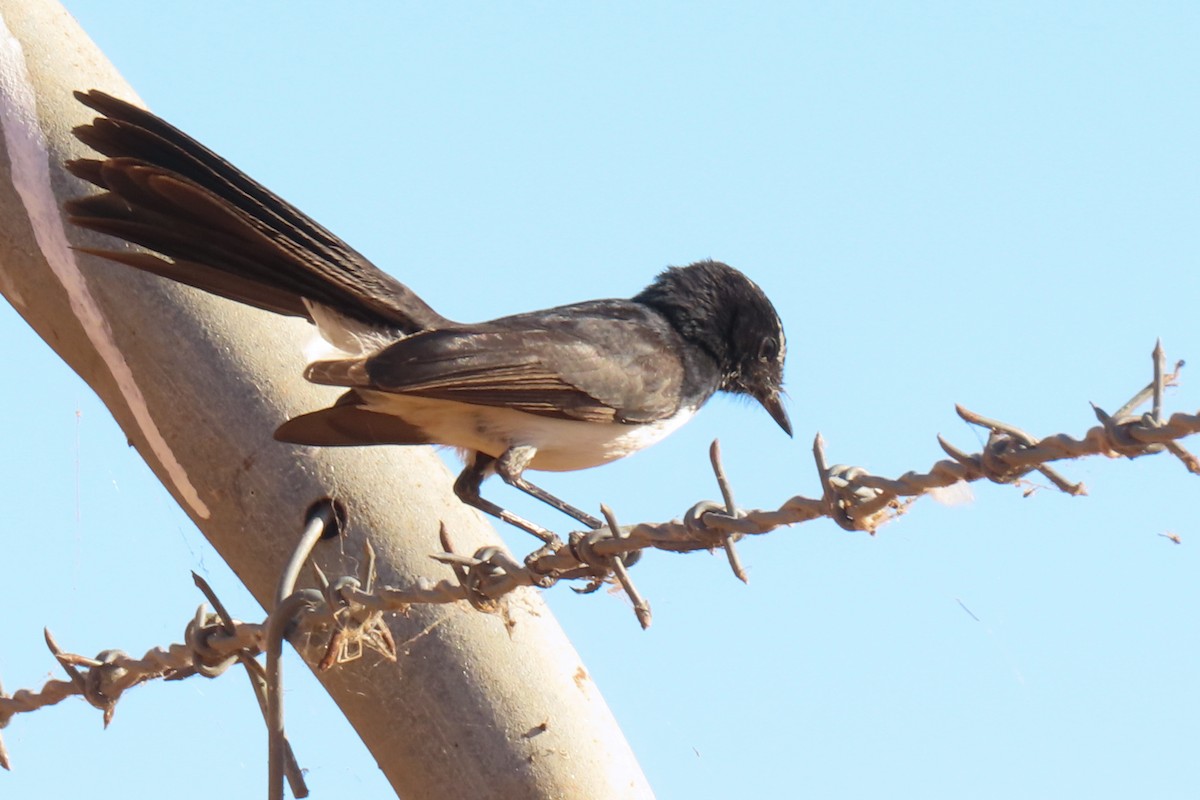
562,445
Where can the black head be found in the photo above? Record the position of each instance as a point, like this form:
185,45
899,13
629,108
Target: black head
725,313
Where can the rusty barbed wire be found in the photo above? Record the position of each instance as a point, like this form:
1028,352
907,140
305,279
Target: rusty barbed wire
208,649
213,642
351,608
852,497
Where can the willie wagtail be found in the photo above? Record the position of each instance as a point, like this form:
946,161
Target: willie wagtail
561,389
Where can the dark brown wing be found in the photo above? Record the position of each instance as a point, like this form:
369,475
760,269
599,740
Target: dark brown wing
218,229
602,361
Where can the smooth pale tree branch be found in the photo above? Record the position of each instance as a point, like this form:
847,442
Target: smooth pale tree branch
198,385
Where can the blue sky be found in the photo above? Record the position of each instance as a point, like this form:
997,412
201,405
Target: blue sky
991,205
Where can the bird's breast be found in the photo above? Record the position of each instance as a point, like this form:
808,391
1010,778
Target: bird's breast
562,444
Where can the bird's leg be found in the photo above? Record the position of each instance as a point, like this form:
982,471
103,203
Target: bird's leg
512,464
467,489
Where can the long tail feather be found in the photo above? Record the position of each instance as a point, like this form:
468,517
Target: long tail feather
215,228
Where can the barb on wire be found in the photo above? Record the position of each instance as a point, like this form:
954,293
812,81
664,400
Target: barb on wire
254,671
731,510
617,564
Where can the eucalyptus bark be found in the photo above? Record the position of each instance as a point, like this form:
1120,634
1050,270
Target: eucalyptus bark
477,706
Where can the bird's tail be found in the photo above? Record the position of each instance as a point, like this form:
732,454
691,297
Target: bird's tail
217,229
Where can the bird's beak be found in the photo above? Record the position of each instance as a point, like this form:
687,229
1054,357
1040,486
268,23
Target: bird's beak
773,403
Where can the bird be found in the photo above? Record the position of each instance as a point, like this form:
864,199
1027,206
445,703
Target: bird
559,389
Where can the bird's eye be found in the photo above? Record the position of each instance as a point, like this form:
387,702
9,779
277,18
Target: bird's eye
768,350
